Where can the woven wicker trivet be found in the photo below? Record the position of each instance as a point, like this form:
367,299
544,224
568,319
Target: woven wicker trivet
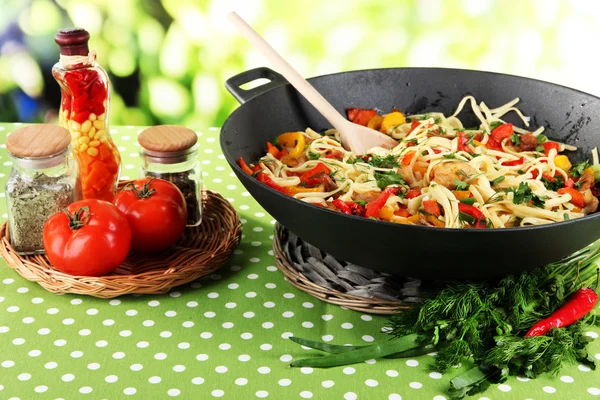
200,251
347,285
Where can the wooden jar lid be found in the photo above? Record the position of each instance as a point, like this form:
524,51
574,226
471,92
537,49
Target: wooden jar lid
39,140
167,138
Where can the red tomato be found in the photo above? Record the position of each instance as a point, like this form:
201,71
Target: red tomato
92,238
156,212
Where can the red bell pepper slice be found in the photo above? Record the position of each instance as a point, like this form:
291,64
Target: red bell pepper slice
402,212
432,207
244,166
376,205
548,177
570,183
414,125
492,144
266,179
502,132
342,206
576,197
474,212
462,142
356,208
412,193
549,146
361,116
317,171
534,173
274,151
514,162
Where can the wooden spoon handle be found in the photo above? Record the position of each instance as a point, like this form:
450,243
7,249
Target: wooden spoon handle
285,69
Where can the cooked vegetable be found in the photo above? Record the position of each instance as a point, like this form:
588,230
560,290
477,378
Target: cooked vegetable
563,163
156,212
361,116
576,196
375,206
89,238
294,140
392,120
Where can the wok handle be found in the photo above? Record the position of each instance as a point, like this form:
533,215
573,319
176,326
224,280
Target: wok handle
233,84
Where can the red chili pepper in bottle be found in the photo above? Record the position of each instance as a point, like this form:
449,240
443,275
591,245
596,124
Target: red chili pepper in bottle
84,112
580,304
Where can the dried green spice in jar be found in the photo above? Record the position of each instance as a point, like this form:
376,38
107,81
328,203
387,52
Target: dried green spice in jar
44,179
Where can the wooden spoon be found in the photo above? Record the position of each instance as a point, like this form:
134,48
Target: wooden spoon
356,138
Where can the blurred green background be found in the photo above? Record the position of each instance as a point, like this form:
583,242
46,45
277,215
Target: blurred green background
168,59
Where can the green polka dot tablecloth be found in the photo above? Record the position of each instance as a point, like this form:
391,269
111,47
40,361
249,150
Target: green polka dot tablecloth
224,336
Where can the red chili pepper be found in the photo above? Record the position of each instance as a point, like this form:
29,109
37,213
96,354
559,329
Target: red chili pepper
582,302
320,169
342,206
514,162
502,132
361,116
376,205
549,146
432,207
412,193
474,212
462,142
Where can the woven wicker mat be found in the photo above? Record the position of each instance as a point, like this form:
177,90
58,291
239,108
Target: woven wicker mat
345,284
200,251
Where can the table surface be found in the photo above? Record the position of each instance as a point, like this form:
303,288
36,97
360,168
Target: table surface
223,336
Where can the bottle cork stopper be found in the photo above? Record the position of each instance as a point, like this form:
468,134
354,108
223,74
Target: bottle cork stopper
72,41
38,140
167,138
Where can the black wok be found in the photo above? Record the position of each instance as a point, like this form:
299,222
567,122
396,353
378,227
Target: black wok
426,252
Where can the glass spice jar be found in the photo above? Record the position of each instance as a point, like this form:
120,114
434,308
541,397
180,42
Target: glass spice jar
84,87
44,179
170,152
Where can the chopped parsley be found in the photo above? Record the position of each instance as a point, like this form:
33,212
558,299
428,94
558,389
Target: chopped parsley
555,184
361,202
515,139
313,156
441,130
540,149
496,124
498,180
577,169
566,216
255,174
466,218
450,156
523,194
423,117
389,178
460,185
383,162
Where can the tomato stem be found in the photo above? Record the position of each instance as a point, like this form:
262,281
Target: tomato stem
143,193
79,219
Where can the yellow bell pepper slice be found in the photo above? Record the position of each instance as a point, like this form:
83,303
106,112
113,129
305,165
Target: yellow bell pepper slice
295,140
563,163
375,122
391,120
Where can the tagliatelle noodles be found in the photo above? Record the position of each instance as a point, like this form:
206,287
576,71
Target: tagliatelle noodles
354,177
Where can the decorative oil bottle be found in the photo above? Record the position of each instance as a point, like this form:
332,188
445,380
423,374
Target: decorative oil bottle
84,112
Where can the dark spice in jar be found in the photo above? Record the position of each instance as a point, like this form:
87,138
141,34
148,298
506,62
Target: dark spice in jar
31,201
190,191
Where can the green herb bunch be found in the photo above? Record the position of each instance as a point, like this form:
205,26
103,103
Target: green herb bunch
487,324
